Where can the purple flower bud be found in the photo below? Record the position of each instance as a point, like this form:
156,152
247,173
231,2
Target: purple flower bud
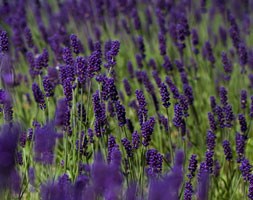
192,167
142,110
227,150
157,78
154,161
210,140
240,141
167,65
212,122
213,103
209,52
95,61
141,46
229,116
67,56
220,116
165,95
48,86
147,129
127,87
195,37
128,146
4,44
227,65
242,122
136,140
178,115
28,37
243,99
188,191
139,59
38,96
243,55
245,169
75,43
81,67
162,43
111,145
121,114
67,88
136,18
172,87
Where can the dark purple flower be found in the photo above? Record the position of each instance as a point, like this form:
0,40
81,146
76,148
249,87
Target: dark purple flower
139,60
4,44
38,96
81,67
227,65
210,140
243,99
209,161
245,169
136,140
209,52
178,115
136,19
212,122
172,87
127,87
220,116
223,96
162,43
28,37
240,141
154,161
188,191
128,146
75,43
67,56
242,122
99,111
142,110
243,55
111,145
67,88
141,46
229,115
227,150
167,65
48,86
195,37
121,113
19,158
94,61
147,129
157,78
111,54
109,90
165,95
213,103
192,167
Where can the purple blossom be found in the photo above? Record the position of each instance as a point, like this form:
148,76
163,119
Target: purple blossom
242,122
227,150
142,110
38,96
245,169
128,146
121,113
243,99
4,44
165,95
154,161
147,129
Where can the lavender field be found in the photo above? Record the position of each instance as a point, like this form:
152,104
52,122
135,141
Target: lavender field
126,99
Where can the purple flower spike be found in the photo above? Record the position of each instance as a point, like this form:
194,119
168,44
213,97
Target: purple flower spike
147,129
142,110
4,44
128,147
227,150
242,122
165,95
154,162
243,99
245,169
38,96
